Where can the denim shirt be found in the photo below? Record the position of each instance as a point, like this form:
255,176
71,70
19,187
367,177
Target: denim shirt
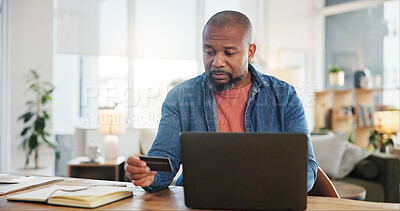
272,106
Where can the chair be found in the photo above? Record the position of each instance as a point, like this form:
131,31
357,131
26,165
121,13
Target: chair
323,186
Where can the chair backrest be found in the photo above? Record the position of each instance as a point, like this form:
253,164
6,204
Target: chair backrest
323,186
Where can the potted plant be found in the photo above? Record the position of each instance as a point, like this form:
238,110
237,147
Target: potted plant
386,126
336,76
35,119
380,140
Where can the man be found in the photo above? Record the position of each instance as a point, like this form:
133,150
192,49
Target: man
231,96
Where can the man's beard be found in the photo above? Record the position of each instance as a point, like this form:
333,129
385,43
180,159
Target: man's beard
217,86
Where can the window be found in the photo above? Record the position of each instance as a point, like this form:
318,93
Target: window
1,74
366,38
166,52
130,52
91,63
112,52
391,55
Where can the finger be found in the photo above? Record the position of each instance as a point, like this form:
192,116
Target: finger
140,182
139,176
144,182
136,170
133,177
128,175
135,161
148,182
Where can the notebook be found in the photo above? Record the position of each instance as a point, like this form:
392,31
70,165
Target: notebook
264,171
75,196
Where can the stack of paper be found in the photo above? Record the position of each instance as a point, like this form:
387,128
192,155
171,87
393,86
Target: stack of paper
26,182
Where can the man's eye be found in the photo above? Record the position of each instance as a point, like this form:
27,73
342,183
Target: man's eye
229,53
208,52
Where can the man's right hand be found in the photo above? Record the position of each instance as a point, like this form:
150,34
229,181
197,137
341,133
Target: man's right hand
138,171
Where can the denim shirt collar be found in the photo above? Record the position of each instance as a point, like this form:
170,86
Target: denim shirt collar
210,105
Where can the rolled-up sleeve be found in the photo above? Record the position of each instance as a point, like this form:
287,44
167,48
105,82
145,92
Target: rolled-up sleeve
295,121
167,142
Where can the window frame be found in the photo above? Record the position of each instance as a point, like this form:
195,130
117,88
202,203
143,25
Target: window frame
5,87
320,15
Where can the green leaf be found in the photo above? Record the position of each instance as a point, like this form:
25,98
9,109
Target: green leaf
32,86
58,154
375,145
33,142
25,130
26,117
48,92
334,68
39,124
372,139
50,144
27,161
389,142
23,115
28,155
24,143
35,74
30,102
46,115
44,99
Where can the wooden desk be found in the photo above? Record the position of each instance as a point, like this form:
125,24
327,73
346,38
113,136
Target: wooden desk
173,199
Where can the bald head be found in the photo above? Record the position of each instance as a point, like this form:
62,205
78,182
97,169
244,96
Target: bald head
231,19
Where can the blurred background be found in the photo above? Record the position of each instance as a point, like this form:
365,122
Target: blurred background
99,53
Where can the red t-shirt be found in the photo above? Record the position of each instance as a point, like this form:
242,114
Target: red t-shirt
231,105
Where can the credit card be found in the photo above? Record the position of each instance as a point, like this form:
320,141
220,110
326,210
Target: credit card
157,163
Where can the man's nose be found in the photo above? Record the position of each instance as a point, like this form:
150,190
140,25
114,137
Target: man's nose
219,60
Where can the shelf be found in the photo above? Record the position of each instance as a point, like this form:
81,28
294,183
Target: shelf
365,127
357,89
330,111
343,117
369,90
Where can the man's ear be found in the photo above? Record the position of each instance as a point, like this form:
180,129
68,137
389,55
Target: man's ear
252,52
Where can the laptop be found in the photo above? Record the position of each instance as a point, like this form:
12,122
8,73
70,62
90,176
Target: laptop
265,171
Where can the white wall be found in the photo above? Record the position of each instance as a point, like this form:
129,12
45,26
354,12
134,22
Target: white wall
31,47
289,28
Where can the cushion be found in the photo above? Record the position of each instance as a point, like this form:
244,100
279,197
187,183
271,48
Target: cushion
352,155
366,169
328,150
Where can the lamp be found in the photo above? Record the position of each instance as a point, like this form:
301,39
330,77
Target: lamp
387,121
386,126
111,122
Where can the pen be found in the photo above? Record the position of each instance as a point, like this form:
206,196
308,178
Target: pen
113,185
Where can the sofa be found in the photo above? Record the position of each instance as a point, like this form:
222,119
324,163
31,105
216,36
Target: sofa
378,173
